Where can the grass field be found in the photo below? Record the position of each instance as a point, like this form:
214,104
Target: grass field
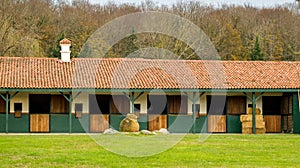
273,150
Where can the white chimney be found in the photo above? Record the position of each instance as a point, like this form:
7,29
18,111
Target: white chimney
65,51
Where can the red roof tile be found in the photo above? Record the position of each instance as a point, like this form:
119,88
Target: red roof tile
65,41
146,74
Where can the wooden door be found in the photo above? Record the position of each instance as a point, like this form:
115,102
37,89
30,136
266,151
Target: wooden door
99,122
272,110
39,123
287,113
273,123
178,104
2,105
39,109
156,122
236,105
217,123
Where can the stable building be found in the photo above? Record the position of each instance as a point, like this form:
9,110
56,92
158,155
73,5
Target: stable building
185,96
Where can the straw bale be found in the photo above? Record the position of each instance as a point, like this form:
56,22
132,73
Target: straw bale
248,118
260,131
247,131
257,111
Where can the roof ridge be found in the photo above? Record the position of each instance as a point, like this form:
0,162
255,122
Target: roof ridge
150,60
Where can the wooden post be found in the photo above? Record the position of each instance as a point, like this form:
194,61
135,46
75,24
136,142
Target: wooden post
132,102
70,112
253,113
194,112
6,112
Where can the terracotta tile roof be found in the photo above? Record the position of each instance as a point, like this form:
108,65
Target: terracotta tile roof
146,74
65,41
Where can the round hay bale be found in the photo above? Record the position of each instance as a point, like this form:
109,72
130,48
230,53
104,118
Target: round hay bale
129,124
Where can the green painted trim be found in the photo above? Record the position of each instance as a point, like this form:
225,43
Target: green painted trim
259,96
132,102
11,97
248,97
180,123
138,96
66,97
70,100
201,124
80,125
77,95
143,121
194,111
3,97
115,120
253,113
125,94
2,122
6,112
144,90
59,123
296,114
234,124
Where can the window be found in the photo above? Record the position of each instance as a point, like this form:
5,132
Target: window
78,110
18,110
18,106
137,109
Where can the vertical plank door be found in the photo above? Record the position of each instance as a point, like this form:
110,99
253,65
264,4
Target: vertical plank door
39,123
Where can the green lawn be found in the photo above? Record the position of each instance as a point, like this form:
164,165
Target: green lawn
278,150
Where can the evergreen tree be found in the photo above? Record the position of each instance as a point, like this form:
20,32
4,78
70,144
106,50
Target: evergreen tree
256,53
55,51
131,45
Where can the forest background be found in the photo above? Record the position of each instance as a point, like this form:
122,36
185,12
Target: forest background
33,28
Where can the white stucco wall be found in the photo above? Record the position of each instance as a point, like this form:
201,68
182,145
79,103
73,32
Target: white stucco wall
84,99
20,98
143,101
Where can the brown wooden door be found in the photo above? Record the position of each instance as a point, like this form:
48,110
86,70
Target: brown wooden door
178,104
156,122
273,123
39,123
99,122
236,105
217,123
287,113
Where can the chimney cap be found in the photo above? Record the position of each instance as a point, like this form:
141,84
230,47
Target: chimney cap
65,41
